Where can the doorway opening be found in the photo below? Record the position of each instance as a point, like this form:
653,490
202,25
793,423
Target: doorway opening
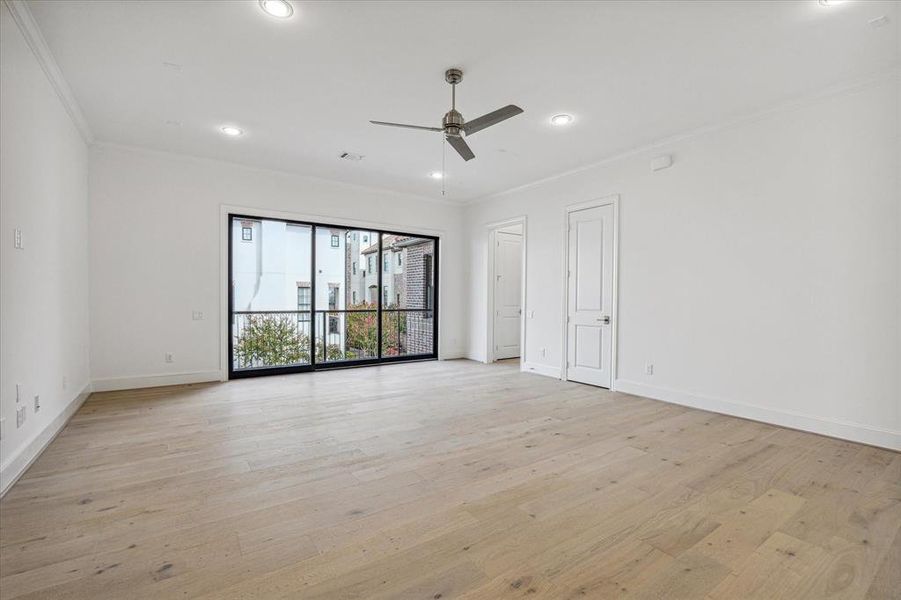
506,290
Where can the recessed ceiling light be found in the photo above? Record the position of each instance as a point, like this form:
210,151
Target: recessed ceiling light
562,119
436,175
280,9
832,2
231,130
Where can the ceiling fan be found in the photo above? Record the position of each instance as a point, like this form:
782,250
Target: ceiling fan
454,126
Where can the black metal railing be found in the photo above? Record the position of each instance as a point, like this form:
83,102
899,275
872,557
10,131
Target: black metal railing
346,335
265,339
406,331
270,338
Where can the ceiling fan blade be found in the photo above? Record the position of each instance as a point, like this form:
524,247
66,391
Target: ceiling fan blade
407,126
460,146
492,118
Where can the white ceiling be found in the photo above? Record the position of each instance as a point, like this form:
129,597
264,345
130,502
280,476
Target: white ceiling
305,89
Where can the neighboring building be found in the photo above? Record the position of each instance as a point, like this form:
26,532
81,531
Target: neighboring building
271,272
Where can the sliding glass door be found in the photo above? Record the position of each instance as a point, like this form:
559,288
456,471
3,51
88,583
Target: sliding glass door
346,309
307,296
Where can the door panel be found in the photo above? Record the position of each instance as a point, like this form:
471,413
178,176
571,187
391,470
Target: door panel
588,347
589,264
590,296
507,294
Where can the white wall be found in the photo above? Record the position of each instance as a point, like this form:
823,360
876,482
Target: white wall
759,274
156,251
44,286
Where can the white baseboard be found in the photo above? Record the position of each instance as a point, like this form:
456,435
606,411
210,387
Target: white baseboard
112,384
541,370
17,464
845,430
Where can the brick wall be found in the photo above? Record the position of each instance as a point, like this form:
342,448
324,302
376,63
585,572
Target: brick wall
419,335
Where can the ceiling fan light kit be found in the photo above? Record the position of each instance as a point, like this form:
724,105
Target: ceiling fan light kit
454,126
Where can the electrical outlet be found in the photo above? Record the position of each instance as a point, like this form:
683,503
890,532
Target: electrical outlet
18,392
649,369
20,416
544,353
197,315
169,357
37,403
17,239
65,382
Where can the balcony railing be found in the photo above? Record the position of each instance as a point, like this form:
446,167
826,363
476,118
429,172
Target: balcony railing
265,339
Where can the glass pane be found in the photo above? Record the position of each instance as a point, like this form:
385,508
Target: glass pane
346,335
408,280
346,294
271,293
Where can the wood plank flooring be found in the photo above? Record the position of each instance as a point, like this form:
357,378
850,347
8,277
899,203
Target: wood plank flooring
442,480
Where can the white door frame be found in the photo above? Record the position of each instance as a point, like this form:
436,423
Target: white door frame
605,201
491,230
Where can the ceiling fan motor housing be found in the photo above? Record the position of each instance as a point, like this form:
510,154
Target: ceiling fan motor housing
453,122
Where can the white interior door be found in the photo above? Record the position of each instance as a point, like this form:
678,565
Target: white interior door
507,294
590,296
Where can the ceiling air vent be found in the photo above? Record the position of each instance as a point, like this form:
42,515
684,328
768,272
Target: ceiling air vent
351,156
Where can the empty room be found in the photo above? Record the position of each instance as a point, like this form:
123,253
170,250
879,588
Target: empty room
376,300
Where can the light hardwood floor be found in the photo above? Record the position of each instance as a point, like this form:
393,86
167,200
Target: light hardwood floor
443,480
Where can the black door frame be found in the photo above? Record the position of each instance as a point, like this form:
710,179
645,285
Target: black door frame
314,366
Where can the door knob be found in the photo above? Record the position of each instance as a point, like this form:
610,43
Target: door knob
605,320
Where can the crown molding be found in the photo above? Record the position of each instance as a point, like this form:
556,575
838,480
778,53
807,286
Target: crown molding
100,145
21,14
889,74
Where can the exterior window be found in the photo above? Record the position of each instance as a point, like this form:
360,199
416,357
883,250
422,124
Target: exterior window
303,303
332,297
360,296
429,291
